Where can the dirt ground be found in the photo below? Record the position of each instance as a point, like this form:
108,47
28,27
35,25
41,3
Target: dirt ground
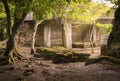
38,69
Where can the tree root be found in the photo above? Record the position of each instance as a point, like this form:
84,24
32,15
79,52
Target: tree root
32,51
15,56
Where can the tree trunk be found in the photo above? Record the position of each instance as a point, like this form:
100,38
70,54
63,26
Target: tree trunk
7,10
11,54
33,36
113,43
91,34
11,49
2,37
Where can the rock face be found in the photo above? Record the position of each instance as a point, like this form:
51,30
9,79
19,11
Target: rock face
61,55
114,37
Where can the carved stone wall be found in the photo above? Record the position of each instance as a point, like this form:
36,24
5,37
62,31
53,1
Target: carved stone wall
79,33
25,33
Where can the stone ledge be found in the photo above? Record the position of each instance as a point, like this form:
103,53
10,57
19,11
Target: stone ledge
84,45
61,55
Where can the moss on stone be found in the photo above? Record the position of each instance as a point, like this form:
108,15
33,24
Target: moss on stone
61,55
108,59
47,53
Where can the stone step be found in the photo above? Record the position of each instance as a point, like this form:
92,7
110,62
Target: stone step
84,45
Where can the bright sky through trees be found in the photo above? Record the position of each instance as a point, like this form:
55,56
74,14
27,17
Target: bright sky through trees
104,1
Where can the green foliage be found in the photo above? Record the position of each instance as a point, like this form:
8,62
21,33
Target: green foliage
17,9
3,23
20,77
65,10
21,7
2,15
3,31
107,27
2,11
42,9
83,11
90,12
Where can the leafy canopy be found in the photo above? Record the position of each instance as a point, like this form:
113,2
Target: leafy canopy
89,12
44,9
2,11
83,11
107,27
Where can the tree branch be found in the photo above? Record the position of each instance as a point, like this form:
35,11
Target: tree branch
17,23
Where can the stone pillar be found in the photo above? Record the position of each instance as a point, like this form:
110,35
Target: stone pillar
47,36
104,48
94,35
67,35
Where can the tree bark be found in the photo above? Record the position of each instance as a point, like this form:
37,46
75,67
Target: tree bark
33,36
90,35
113,43
11,54
7,10
2,34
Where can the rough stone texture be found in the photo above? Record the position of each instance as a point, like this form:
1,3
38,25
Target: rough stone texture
25,33
56,34
104,48
61,55
47,53
39,40
80,33
67,35
113,43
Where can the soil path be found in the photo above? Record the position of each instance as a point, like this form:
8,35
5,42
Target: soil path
38,69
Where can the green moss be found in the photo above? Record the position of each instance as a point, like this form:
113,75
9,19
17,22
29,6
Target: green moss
70,57
81,56
61,55
114,53
2,51
111,59
20,77
47,53
108,59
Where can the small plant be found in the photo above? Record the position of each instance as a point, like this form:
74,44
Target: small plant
20,77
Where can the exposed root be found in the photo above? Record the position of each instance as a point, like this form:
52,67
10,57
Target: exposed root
32,51
15,56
